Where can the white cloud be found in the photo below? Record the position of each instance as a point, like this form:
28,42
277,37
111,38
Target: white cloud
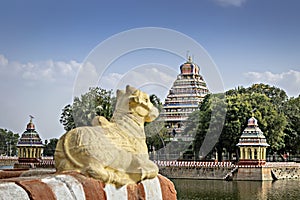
110,80
288,81
3,60
87,77
48,70
236,3
151,78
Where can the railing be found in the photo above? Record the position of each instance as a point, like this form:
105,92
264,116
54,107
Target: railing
8,158
193,164
44,162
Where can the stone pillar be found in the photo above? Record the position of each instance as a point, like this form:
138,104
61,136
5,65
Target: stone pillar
252,153
30,153
246,153
242,153
26,152
38,152
259,153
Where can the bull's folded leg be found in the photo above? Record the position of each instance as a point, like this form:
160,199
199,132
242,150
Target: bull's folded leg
107,175
149,170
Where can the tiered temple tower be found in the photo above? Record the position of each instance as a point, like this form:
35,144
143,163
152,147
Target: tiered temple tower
188,90
30,145
252,145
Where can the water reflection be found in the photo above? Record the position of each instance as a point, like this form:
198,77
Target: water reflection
216,189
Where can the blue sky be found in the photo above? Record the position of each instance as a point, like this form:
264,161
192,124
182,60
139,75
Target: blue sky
44,43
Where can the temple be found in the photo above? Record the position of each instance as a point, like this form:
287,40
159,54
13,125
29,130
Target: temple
30,145
252,145
188,90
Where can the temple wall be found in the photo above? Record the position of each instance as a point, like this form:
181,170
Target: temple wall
228,171
286,172
253,174
216,173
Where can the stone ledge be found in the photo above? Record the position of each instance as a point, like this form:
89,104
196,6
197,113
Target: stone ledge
72,185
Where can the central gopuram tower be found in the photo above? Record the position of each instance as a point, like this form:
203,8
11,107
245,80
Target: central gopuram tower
184,97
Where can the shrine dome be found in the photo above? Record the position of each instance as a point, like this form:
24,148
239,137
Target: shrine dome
252,122
30,126
30,137
189,67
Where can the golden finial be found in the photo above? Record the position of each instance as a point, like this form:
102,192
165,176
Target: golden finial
31,117
189,58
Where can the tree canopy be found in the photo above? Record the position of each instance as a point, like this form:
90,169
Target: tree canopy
8,142
96,102
156,132
291,110
264,102
49,147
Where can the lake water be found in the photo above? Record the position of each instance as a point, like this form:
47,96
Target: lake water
254,190
6,167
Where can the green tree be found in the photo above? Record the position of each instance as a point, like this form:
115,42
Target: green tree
206,124
292,132
239,106
156,135
8,142
156,102
49,148
156,132
277,96
96,102
239,109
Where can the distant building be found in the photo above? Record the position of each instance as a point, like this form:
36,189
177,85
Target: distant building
252,145
184,97
30,145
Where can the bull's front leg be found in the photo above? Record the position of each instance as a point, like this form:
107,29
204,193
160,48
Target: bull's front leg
142,168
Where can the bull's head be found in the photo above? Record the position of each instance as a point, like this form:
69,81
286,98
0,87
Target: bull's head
137,102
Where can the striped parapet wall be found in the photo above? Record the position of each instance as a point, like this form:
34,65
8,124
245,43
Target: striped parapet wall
73,185
8,160
195,169
165,163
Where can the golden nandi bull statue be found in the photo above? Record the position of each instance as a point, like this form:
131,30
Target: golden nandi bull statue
112,151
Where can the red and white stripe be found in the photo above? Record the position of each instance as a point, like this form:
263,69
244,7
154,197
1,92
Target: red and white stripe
193,164
76,186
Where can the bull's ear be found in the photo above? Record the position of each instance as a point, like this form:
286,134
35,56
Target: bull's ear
120,93
130,89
